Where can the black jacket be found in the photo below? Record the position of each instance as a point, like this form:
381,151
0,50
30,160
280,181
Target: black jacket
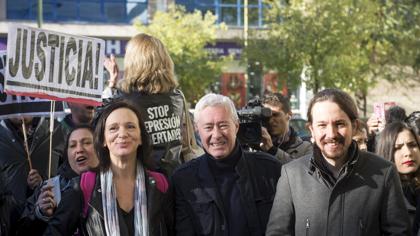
30,223
68,216
199,207
9,210
13,158
159,209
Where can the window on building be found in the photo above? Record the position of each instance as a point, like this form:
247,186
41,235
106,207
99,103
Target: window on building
229,11
100,11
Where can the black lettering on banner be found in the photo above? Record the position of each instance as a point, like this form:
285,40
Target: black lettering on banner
3,95
27,68
41,43
60,60
87,68
98,50
79,62
14,66
53,42
71,46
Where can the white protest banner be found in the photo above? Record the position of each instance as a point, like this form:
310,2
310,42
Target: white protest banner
57,66
15,106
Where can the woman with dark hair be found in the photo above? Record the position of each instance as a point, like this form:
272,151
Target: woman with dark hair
126,199
398,143
41,207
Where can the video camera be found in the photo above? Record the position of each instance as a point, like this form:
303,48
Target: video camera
251,118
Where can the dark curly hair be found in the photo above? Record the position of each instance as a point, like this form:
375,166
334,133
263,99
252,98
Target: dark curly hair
277,99
413,120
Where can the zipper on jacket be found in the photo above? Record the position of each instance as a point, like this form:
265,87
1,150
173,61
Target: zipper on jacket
308,225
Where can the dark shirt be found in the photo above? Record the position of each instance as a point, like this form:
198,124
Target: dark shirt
225,177
126,221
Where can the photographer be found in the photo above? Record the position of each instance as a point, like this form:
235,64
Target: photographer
278,138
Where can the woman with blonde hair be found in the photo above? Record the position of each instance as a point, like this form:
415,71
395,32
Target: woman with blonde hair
151,71
149,82
148,68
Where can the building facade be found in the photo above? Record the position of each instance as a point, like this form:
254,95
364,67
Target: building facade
112,20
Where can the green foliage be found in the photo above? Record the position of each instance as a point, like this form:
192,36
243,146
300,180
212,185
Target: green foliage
185,35
346,44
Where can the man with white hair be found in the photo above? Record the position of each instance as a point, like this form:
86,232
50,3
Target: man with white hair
226,191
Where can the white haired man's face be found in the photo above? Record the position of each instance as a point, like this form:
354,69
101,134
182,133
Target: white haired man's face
217,130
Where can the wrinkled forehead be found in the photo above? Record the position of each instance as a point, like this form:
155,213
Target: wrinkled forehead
217,110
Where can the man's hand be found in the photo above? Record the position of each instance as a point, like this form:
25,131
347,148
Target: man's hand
46,201
34,179
267,143
112,67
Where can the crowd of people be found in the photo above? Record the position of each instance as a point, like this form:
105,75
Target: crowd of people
129,168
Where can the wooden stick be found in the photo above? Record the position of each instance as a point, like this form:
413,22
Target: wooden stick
25,143
51,134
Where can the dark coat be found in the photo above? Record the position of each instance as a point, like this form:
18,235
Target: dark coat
159,209
68,217
198,204
293,149
366,199
29,223
13,158
9,211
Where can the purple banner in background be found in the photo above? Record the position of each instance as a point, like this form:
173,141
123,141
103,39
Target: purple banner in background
225,49
3,44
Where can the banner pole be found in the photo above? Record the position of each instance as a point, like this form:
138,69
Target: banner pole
51,134
25,140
